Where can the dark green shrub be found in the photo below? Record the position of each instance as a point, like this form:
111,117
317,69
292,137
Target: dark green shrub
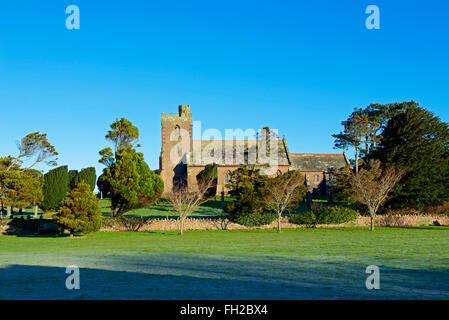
308,218
55,188
80,211
132,223
209,172
253,219
247,186
132,184
72,175
229,207
87,175
335,215
103,186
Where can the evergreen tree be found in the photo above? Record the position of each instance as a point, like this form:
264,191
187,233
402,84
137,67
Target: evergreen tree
80,211
417,141
55,188
129,179
132,183
247,185
87,175
20,189
209,173
103,186
72,175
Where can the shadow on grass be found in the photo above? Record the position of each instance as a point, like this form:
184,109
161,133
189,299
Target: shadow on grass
441,228
174,276
45,235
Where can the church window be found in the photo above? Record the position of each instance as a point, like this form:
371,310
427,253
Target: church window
177,131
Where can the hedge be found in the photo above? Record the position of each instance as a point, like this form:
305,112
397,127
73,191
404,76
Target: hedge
325,215
253,219
335,215
55,188
307,218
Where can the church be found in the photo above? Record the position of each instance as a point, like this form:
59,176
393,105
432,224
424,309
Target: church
182,158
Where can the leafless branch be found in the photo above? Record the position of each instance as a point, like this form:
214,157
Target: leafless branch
185,201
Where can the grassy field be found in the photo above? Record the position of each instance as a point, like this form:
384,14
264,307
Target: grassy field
162,209
258,264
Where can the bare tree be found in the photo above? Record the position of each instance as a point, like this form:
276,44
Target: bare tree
371,186
185,201
284,192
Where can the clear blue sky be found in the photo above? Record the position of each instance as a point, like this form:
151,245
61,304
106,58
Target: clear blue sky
298,66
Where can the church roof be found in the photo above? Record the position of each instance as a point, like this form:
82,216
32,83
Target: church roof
204,152
318,162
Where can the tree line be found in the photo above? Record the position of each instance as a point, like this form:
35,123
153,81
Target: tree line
401,158
401,161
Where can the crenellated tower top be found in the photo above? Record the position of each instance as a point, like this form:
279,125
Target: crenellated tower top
182,115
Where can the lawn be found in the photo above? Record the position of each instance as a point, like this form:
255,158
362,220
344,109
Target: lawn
162,209
322,263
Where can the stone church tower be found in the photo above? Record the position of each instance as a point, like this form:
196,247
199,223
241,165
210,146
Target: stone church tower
172,161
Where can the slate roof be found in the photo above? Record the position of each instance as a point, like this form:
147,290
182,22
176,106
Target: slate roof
205,147
318,162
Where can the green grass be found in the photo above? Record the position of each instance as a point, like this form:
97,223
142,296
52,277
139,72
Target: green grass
163,209
258,264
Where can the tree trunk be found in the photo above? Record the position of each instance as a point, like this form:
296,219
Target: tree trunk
356,159
181,226
372,222
8,211
35,211
279,223
114,212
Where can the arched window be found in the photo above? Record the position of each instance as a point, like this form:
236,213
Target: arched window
227,176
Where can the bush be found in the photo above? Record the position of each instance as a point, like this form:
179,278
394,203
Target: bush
335,215
253,219
132,223
308,218
56,185
209,172
80,211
